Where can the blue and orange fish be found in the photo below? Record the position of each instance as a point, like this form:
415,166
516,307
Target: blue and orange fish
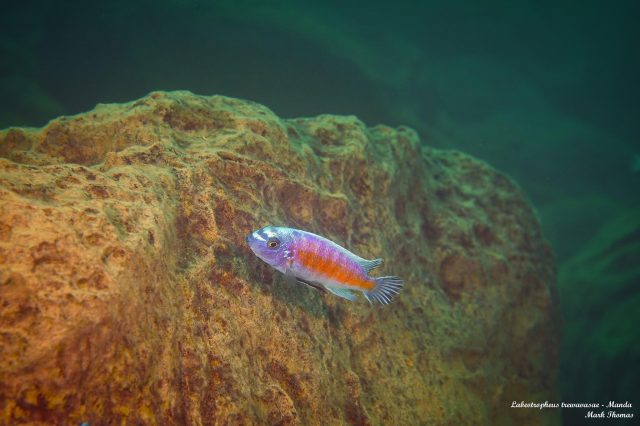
320,263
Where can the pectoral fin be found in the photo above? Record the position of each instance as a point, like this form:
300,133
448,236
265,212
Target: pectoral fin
290,277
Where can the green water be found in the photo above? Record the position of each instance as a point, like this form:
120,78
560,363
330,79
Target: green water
546,92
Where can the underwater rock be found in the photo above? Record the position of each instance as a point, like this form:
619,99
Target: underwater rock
600,299
129,295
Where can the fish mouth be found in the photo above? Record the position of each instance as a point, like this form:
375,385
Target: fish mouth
251,240
251,237
255,237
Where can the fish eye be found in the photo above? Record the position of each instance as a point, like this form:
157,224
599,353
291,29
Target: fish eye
273,243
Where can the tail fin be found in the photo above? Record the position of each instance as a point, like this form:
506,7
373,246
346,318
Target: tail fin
385,290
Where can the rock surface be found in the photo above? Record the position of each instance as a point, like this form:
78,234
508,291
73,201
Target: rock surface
128,295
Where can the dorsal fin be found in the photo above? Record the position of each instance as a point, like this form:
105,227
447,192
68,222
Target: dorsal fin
368,265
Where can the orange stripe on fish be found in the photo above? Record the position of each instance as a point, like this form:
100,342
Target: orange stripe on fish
333,267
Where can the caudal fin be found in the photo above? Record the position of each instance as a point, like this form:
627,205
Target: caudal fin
385,290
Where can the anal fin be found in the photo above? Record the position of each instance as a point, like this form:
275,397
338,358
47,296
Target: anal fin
345,293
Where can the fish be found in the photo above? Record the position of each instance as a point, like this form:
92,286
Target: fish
318,262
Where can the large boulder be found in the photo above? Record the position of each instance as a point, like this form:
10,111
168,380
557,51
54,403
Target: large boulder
128,294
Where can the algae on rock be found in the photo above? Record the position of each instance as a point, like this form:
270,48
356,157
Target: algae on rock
128,294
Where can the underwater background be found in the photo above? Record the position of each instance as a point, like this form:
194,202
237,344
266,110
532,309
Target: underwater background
546,92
